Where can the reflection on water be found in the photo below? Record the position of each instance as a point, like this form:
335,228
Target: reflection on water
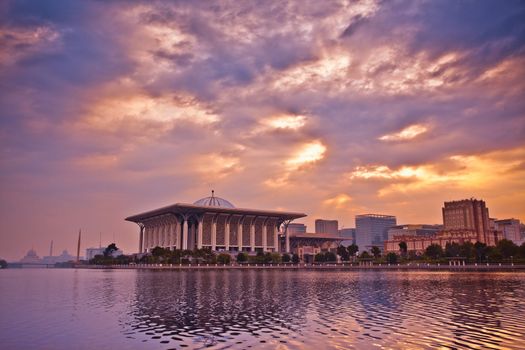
261,309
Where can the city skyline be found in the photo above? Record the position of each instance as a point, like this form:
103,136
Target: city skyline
333,109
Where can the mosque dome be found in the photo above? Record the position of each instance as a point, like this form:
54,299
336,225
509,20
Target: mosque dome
214,202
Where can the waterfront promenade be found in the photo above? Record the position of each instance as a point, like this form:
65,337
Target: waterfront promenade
394,267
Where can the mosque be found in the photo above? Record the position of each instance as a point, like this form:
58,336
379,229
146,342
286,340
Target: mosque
215,223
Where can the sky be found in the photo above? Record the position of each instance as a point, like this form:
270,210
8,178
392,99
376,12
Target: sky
331,108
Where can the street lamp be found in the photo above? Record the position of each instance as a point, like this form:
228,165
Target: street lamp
511,260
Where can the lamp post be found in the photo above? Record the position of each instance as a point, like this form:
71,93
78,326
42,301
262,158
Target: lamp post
511,260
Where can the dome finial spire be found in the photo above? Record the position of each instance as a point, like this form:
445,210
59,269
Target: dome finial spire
213,193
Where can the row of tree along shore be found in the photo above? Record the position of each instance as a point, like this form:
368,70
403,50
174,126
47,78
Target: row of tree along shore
478,254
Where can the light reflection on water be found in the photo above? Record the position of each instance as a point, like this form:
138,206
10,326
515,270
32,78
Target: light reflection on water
86,309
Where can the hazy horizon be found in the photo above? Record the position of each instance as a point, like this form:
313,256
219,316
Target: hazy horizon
333,109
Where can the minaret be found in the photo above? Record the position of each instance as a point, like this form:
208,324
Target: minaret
51,248
78,247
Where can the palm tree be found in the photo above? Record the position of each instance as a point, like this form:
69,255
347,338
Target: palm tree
376,252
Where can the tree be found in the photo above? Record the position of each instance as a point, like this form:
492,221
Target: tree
343,253
376,252
352,249
110,249
452,249
3,264
507,248
434,251
276,258
330,257
176,256
319,257
286,258
391,258
365,255
403,248
159,252
242,257
493,254
224,258
481,250
259,258
206,255
295,259
468,250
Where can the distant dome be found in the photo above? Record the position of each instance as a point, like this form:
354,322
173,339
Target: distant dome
214,202
31,253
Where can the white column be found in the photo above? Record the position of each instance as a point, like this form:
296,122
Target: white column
287,237
199,233
214,233
178,234
265,248
170,235
275,238
184,234
227,233
155,236
252,234
239,234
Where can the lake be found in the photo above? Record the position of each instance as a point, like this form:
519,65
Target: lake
260,309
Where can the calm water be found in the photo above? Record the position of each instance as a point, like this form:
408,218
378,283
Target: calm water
103,309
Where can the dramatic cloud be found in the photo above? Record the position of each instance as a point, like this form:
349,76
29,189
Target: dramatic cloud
332,108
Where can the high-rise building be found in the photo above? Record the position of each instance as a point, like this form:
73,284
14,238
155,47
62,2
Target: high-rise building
349,236
468,214
327,226
296,228
510,229
372,230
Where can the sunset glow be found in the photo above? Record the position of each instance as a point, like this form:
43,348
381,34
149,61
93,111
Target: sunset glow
328,108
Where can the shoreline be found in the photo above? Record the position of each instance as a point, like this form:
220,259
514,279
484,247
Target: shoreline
356,267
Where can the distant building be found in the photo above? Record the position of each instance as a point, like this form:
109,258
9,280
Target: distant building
92,252
418,244
413,230
296,228
306,245
31,258
510,229
463,221
64,257
468,214
349,235
372,230
327,226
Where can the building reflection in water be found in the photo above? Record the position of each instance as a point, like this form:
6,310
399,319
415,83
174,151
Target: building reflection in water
326,309
210,307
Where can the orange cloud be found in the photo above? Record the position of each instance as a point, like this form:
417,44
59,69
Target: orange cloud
408,133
